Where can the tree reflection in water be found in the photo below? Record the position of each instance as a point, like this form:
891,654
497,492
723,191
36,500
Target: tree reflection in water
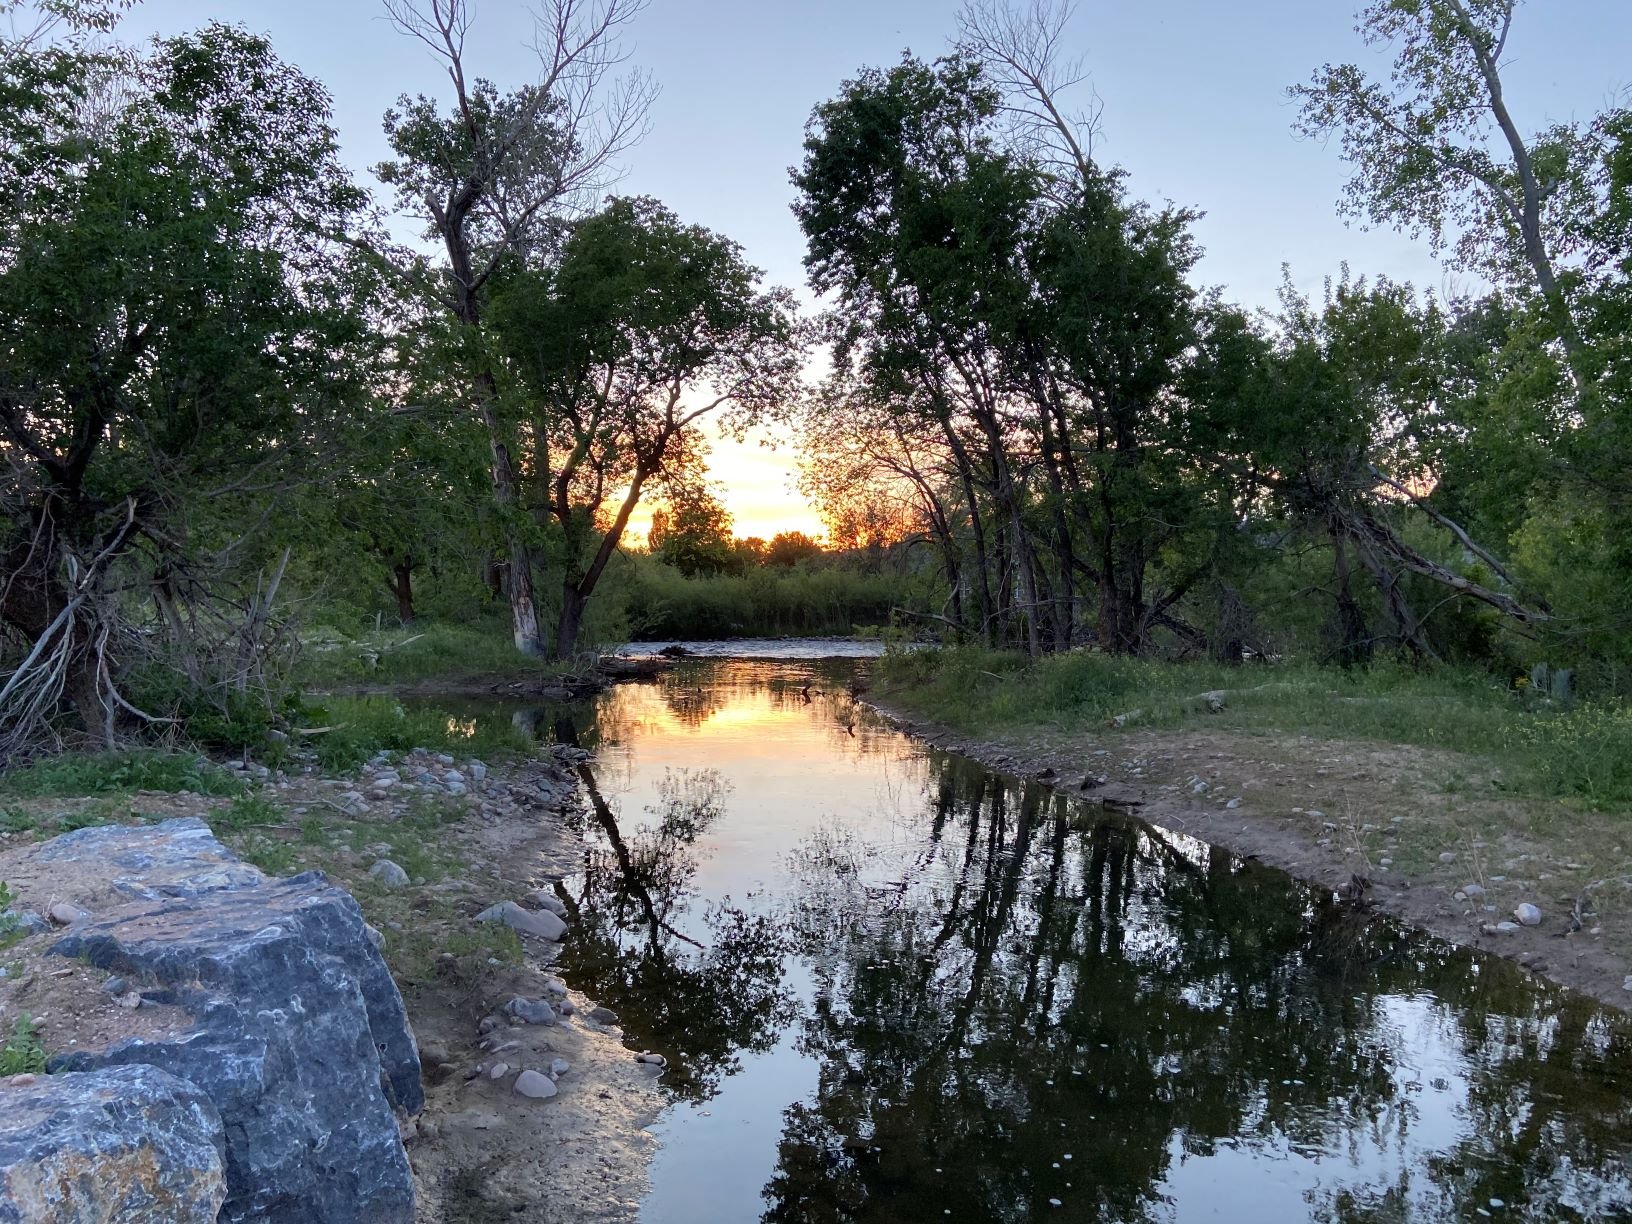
699,1001
1031,983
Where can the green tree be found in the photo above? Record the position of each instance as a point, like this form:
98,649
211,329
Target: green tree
191,336
493,178
693,533
644,327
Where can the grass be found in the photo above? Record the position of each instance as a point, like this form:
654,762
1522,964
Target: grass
1583,753
767,601
23,1052
106,773
402,656
366,725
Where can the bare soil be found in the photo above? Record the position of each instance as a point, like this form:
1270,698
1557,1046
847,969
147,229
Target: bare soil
1413,826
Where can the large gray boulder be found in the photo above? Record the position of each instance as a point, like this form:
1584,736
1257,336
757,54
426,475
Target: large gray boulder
300,1036
129,1144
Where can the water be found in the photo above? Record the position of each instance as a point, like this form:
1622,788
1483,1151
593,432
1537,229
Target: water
894,986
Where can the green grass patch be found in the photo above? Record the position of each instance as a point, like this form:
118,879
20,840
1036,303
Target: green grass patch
16,820
366,725
119,772
23,1052
1583,753
399,656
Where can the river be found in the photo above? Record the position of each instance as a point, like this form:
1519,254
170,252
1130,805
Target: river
895,986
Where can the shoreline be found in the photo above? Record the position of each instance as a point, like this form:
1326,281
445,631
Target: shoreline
1173,780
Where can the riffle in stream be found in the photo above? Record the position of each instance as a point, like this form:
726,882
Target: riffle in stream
893,985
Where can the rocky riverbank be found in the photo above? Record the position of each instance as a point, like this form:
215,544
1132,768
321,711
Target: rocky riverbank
505,1093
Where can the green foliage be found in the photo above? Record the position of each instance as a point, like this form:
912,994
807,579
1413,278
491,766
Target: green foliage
366,725
477,647
119,772
23,1052
762,602
1584,753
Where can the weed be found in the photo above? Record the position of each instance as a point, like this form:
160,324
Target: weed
121,772
15,820
246,811
366,725
270,854
23,1053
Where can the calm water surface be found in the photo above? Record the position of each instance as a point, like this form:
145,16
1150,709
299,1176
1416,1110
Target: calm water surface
894,986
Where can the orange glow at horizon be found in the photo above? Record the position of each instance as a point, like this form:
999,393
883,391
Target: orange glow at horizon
755,483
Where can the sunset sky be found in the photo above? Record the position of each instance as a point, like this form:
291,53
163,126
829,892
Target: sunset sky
1192,90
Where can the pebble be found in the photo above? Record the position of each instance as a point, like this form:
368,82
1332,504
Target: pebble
654,1060
433,1054
1528,914
605,1015
498,1070
115,986
130,1000
559,1067
565,1007
389,874
1448,856
1233,803
534,1084
525,922
1473,891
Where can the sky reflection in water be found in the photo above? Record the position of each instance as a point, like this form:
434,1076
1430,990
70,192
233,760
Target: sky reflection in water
895,986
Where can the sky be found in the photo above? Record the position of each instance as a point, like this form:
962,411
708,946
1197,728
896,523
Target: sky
1193,97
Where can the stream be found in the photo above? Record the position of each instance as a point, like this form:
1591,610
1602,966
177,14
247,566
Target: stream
893,985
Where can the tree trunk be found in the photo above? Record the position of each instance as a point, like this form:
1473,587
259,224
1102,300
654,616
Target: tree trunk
402,586
573,603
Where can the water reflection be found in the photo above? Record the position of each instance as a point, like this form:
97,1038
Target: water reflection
895,986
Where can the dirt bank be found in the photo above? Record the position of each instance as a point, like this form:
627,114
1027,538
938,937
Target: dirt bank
1421,827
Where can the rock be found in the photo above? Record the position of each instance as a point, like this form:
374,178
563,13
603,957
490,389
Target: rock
544,899
531,1083
1448,856
478,771
122,1144
299,1036
130,1000
389,874
431,1054
603,1015
655,1060
1528,915
26,921
1626,983
559,1067
1233,804
1472,892
554,988
530,1011
115,986
543,924
498,1070
565,1007
67,914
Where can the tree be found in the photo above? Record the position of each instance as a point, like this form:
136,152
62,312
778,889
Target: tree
693,534
190,335
644,327
494,179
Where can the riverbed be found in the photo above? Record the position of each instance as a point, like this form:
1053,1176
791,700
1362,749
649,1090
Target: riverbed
893,985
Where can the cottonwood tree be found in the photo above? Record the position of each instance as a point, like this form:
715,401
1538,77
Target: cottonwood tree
644,327
493,176
189,335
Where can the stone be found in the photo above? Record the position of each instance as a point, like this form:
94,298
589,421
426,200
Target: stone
67,913
554,988
26,921
298,1034
1527,914
544,899
478,771
530,1011
654,1060
1449,856
121,1144
1473,892
542,923
1233,804
534,1084
559,1067
388,874
115,986
603,1015
565,1007
498,1071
